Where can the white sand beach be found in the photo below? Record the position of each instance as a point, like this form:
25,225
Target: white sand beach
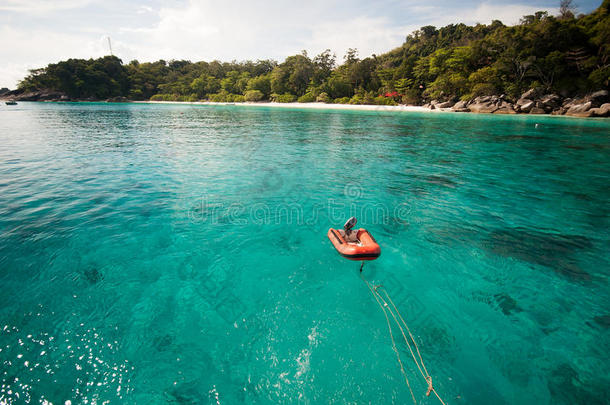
318,106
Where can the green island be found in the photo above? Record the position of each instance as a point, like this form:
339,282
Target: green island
544,65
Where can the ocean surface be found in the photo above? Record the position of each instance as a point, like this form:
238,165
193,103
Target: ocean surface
178,254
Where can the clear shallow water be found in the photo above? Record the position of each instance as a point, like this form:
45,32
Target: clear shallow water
174,253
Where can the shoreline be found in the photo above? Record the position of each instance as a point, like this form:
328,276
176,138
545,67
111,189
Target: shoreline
312,106
351,107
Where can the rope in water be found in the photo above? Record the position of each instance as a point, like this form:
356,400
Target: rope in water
419,361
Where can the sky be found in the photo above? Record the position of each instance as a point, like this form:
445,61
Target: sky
34,33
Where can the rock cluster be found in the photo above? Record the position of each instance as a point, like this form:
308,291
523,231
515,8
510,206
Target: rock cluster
43,95
532,102
50,95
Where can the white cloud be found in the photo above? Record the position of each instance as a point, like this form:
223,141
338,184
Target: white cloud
227,30
509,14
144,10
205,30
215,30
368,35
40,6
28,49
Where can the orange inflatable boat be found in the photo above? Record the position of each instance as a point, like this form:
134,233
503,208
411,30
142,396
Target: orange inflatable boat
365,248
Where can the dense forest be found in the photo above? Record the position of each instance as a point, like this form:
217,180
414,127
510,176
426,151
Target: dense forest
565,54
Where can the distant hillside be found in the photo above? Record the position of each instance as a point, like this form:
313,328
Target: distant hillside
564,54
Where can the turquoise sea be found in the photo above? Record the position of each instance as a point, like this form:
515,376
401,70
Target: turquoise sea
178,254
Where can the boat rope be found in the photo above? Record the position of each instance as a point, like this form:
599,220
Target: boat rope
410,342
402,368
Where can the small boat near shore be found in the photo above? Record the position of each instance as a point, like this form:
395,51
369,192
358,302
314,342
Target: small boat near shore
11,102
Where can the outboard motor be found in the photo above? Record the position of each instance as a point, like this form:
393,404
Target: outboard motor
349,224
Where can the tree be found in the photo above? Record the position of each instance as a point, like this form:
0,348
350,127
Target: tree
261,83
548,68
337,87
566,9
323,66
292,76
253,95
351,56
229,83
205,84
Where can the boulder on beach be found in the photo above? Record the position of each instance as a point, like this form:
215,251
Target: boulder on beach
537,110
505,108
41,95
460,106
548,103
445,104
530,94
580,110
484,104
602,111
526,105
551,100
482,107
598,98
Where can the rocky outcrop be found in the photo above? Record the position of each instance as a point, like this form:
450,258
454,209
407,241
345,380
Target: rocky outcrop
580,110
51,95
438,105
525,105
491,104
478,107
505,108
529,104
42,95
530,94
550,102
446,104
483,104
460,106
537,110
602,111
596,104
598,98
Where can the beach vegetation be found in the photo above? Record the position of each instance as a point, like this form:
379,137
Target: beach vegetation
253,95
261,83
283,98
323,98
342,100
308,97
